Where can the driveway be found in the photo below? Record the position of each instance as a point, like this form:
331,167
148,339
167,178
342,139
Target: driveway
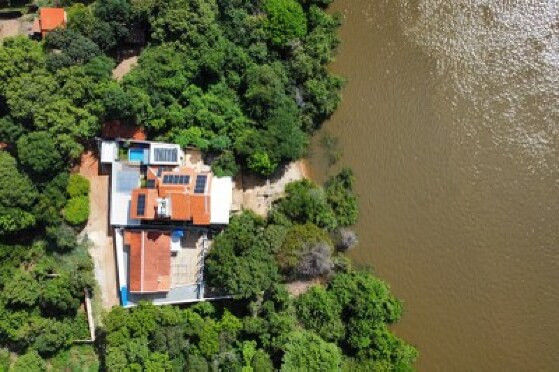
99,232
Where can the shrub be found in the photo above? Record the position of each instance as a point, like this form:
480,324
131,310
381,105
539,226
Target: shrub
77,210
77,186
286,21
30,362
297,239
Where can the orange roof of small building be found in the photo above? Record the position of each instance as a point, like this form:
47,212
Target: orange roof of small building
150,261
51,18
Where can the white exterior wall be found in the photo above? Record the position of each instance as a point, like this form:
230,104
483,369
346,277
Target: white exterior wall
222,198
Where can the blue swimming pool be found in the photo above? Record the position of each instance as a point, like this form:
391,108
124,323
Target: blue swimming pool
136,154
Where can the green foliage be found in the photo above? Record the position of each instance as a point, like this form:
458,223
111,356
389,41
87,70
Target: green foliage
286,21
340,196
10,131
260,162
5,360
30,362
306,202
225,165
17,195
320,312
297,238
70,47
78,185
240,262
77,358
22,290
38,153
76,211
18,56
190,22
52,200
53,337
210,80
305,351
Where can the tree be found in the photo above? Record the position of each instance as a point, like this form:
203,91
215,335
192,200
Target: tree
347,239
67,124
21,290
319,311
315,260
30,362
115,20
81,19
76,211
305,351
286,21
54,336
38,153
340,196
78,185
10,131
190,22
17,195
240,262
71,48
264,89
297,239
18,56
306,202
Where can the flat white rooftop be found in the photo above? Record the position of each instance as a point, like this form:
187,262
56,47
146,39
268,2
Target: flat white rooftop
221,200
124,179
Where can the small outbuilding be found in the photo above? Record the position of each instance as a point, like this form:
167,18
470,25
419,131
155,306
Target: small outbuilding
49,19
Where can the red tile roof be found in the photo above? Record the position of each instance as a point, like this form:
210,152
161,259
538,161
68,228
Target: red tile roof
150,261
185,205
51,18
150,204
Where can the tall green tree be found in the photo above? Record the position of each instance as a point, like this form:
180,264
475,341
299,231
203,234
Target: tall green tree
38,153
286,21
240,262
17,195
305,351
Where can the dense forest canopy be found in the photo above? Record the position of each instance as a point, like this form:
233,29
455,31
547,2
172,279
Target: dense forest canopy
246,82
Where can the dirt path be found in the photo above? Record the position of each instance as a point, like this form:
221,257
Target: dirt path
98,231
124,67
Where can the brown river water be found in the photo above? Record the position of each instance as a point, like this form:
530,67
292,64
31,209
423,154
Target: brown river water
450,120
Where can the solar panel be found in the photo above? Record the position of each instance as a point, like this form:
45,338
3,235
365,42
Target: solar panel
150,184
165,155
185,179
200,184
159,171
166,178
177,179
141,208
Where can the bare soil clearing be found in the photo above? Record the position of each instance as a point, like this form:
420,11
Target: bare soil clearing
9,28
124,67
98,230
257,194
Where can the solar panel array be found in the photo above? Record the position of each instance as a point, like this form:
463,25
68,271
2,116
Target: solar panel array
177,179
141,208
165,155
200,184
